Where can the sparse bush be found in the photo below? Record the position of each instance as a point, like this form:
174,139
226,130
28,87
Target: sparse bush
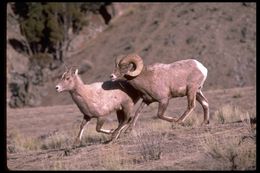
229,113
55,141
150,145
22,143
59,165
237,95
95,138
113,158
193,120
41,59
230,153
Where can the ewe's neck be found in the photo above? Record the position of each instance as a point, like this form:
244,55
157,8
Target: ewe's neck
79,88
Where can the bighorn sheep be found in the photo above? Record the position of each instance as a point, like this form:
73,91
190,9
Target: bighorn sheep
161,82
99,99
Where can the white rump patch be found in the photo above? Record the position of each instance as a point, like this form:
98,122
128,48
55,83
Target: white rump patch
203,69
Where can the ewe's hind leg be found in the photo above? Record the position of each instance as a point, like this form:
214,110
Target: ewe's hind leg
205,105
191,96
100,122
137,114
125,114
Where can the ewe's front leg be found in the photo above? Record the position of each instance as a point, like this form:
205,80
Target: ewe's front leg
81,129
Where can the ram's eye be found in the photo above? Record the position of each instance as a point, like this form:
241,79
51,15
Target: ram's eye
67,78
123,66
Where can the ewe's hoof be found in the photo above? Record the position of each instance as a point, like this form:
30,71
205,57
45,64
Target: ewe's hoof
109,141
205,123
128,130
76,143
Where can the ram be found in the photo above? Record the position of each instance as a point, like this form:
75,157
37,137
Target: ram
161,82
97,100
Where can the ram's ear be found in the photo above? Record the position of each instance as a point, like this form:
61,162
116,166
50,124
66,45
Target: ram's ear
76,72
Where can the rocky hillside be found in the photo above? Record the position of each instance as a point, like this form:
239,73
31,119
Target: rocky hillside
220,35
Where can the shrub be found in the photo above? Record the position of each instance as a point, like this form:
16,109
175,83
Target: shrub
55,141
230,153
229,113
150,145
22,143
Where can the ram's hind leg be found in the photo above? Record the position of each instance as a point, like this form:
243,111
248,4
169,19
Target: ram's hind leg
191,96
205,105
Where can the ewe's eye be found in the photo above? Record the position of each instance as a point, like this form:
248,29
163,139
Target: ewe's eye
67,78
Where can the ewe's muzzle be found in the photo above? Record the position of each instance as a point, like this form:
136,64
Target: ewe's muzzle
58,88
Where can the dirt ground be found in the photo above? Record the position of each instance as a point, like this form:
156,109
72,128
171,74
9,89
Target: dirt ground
173,147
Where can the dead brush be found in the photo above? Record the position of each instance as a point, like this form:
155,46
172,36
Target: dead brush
192,121
113,158
20,142
229,152
150,145
229,114
56,141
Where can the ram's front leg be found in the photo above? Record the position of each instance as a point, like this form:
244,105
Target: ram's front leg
163,104
100,122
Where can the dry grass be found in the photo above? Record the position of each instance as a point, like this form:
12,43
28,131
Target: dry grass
53,140
21,142
229,114
114,158
59,165
150,144
230,152
193,120
233,152
56,141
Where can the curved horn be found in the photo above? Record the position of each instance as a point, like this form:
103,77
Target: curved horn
136,61
118,59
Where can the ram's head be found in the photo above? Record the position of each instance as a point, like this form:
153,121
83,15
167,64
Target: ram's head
130,65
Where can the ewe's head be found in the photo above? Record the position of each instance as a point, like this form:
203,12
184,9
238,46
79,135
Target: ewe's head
130,65
67,81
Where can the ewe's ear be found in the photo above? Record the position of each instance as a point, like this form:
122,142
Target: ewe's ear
76,72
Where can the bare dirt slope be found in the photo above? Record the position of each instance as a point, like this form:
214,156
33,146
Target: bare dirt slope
220,35
38,138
